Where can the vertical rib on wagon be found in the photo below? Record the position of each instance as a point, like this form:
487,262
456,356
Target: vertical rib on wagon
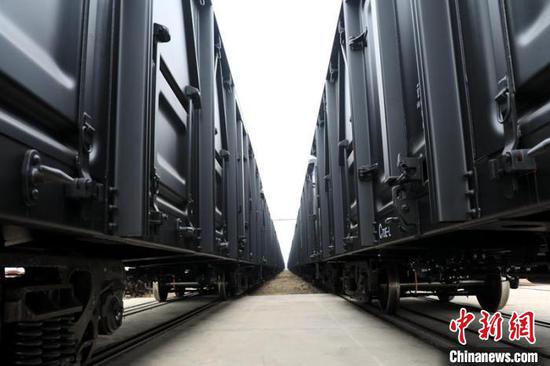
206,204
441,109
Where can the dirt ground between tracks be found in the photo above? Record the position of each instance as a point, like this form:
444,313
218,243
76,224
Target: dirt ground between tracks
286,283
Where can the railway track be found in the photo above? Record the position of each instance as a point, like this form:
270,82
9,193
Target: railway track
418,330
131,307
114,350
434,330
139,308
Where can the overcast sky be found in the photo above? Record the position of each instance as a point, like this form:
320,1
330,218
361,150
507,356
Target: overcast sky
278,52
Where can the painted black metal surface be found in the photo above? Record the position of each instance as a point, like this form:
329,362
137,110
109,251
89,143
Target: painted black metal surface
449,111
119,124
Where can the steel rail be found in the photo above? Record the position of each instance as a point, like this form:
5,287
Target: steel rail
139,308
117,349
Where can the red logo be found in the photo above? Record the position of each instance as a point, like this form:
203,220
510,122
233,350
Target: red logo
459,325
491,326
519,326
522,326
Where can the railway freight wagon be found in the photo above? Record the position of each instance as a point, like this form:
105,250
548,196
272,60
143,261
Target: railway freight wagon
431,153
121,144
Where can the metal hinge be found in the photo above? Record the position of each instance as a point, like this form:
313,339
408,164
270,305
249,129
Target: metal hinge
332,74
412,170
36,174
512,162
161,34
359,42
349,240
184,231
405,191
87,132
242,245
112,225
406,207
156,217
225,154
194,95
343,146
503,99
223,247
242,242
474,211
228,84
315,254
342,33
367,172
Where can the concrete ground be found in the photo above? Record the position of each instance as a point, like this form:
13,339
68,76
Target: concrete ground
294,324
306,329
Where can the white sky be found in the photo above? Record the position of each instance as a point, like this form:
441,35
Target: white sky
278,51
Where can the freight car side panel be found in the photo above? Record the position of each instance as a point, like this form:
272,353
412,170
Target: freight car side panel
449,108
440,100
322,187
221,160
118,122
507,97
172,122
485,66
247,191
529,28
529,33
346,159
54,113
156,112
231,167
241,200
41,50
335,177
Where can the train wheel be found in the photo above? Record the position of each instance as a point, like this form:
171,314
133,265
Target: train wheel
236,283
389,289
494,294
160,292
111,313
334,280
364,286
349,285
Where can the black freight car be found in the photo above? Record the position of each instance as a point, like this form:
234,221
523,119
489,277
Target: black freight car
121,144
432,159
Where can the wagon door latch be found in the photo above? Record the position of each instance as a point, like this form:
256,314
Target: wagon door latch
36,174
512,160
405,190
517,161
358,42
